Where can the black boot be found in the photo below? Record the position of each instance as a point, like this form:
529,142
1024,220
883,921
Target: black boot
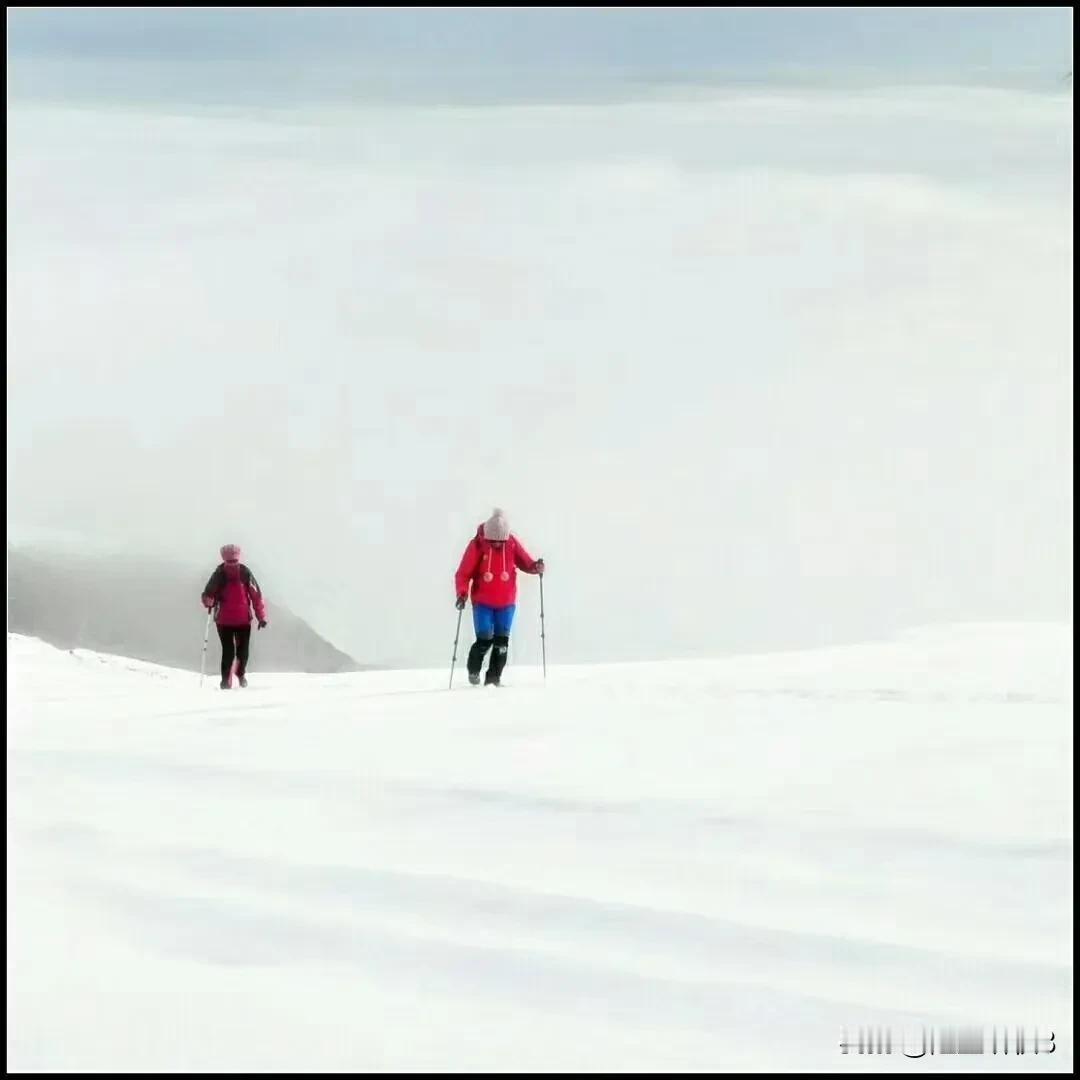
498,661
476,659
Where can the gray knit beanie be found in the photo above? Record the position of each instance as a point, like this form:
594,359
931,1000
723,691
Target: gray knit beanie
497,527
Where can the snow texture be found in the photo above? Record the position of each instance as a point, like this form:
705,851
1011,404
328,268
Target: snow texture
687,866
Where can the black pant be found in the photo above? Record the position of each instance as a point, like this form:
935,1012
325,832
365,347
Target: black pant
498,657
235,642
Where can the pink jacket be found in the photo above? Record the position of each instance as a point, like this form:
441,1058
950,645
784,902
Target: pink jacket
233,588
491,566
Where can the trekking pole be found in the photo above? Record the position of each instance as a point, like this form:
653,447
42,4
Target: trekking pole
453,659
205,640
543,643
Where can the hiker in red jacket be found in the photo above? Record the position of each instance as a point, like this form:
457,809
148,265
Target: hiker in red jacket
489,571
233,591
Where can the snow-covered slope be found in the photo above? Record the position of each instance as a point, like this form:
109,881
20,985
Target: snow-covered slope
700,865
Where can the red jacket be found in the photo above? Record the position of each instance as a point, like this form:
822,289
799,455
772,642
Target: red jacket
491,567
233,588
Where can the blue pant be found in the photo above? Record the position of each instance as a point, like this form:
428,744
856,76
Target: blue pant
490,622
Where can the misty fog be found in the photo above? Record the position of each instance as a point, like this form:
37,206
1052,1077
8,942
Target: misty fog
750,366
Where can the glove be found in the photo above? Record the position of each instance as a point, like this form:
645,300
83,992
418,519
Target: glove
262,624
208,602
460,603
538,566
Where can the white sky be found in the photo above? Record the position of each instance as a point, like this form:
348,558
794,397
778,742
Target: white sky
753,368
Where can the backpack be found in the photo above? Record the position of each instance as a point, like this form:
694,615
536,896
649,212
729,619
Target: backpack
217,582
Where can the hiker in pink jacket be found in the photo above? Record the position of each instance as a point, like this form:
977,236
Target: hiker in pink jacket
233,591
488,573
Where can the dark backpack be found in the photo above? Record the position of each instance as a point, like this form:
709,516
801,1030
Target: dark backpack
217,582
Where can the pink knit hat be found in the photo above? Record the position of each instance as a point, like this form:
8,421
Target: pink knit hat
497,527
231,552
